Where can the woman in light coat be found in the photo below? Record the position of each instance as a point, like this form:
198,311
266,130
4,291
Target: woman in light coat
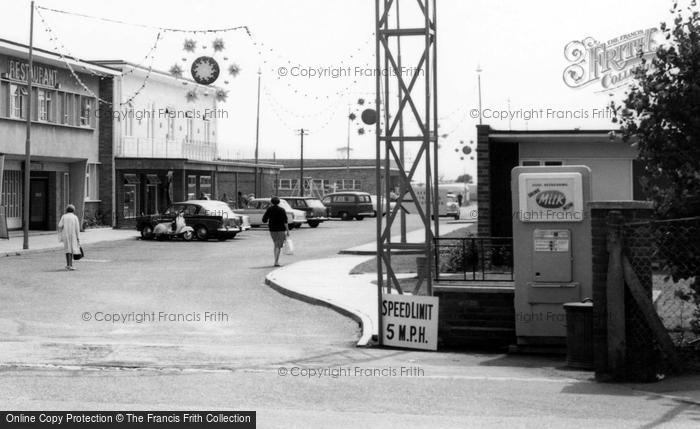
68,232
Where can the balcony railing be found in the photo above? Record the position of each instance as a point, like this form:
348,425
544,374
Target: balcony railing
136,147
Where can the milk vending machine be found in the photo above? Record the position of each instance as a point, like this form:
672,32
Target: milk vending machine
551,249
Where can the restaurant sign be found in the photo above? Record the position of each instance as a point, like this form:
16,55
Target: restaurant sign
43,75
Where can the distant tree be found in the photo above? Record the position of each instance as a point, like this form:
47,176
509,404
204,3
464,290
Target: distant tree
465,178
661,117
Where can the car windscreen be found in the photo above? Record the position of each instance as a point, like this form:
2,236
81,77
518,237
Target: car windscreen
297,204
316,204
216,208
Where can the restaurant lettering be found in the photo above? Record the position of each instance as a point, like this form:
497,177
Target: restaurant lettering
18,70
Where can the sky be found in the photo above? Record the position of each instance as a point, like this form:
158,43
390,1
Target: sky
519,46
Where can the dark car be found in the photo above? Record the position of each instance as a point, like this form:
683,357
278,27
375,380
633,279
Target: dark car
208,218
316,212
348,205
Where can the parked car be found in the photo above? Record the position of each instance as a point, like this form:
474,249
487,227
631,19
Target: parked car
392,204
257,206
347,205
210,219
316,212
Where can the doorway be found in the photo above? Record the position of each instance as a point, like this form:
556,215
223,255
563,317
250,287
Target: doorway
38,203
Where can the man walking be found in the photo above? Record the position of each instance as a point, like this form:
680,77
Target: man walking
276,218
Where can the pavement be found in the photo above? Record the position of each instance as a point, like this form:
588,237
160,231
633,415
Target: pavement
48,240
328,282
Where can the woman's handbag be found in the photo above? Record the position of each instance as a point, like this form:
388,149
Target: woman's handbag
288,247
80,255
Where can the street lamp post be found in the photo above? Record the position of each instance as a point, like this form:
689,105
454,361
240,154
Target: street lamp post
302,133
257,137
28,144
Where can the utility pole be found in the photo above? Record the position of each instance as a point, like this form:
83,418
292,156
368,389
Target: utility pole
257,136
478,71
28,145
302,132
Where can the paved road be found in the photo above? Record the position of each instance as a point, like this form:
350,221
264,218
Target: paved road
294,363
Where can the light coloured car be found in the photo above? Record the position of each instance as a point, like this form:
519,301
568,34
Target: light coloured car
392,204
257,206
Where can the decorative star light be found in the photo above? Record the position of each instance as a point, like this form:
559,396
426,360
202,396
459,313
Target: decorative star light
191,95
233,69
221,95
352,116
176,70
361,101
190,45
361,131
218,45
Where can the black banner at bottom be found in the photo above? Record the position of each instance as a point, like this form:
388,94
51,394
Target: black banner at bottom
128,419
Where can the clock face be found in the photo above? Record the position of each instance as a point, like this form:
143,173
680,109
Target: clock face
205,70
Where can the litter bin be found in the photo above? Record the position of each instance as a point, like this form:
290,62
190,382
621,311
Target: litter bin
579,334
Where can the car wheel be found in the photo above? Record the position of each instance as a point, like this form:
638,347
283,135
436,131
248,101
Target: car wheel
188,235
290,226
202,232
344,216
147,232
222,238
313,224
359,217
456,217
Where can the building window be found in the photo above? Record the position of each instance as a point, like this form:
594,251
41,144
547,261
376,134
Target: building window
207,125
191,187
537,163
190,130
152,193
132,196
18,101
171,125
68,112
285,185
85,111
205,186
92,182
347,185
45,105
129,121
11,197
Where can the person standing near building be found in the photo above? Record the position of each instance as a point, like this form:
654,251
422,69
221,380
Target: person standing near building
460,198
69,235
276,218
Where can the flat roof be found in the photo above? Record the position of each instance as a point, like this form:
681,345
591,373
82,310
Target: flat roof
52,58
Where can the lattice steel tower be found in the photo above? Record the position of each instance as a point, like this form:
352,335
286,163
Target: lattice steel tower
406,98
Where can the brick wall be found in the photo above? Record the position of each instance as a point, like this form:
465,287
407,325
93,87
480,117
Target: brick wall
630,211
106,142
483,188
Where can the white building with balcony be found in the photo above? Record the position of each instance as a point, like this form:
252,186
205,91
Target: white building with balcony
165,145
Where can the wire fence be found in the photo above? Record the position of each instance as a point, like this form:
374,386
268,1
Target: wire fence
665,256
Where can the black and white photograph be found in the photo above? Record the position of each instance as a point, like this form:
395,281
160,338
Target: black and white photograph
350,214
